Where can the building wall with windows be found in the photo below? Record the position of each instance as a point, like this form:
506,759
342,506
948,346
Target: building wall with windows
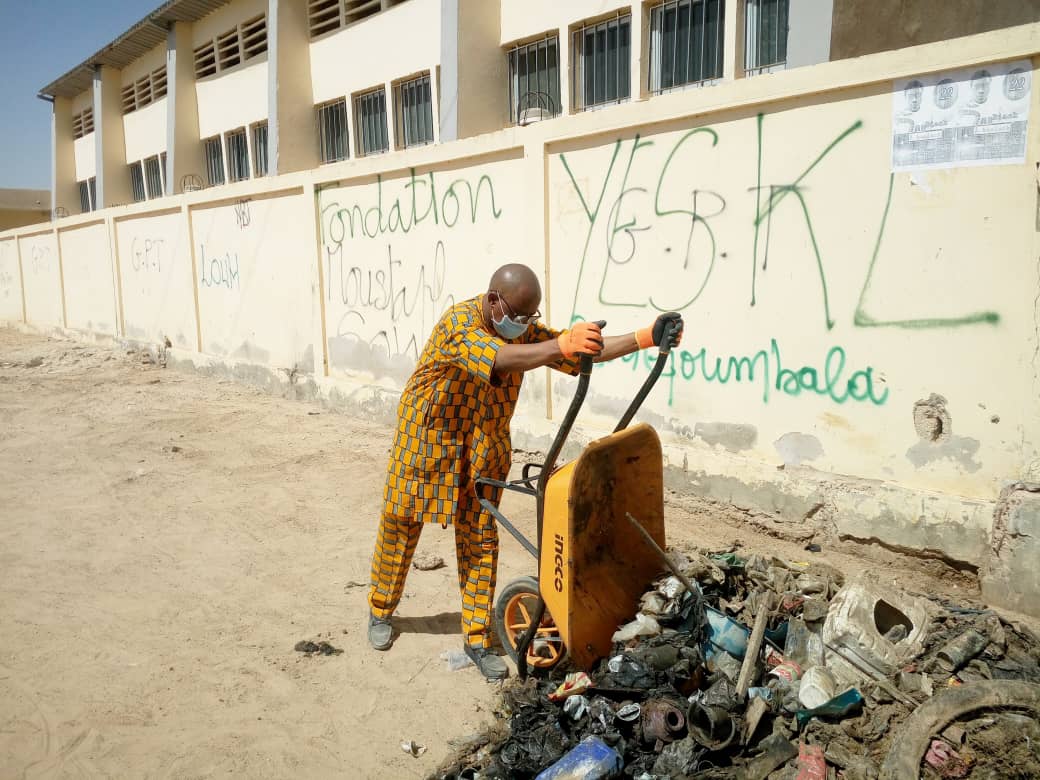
83,145
853,342
143,100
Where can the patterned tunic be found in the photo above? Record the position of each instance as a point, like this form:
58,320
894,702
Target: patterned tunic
453,418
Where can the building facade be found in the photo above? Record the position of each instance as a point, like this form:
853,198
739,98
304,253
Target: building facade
849,229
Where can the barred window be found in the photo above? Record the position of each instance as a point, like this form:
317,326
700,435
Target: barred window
136,183
765,29
332,131
260,149
214,161
155,177
88,195
370,122
685,43
534,78
603,61
413,106
237,154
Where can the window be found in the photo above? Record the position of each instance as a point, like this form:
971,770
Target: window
136,183
155,177
332,131
766,29
685,43
370,122
83,123
602,59
88,195
205,60
214,161
237,45
413,105
145,90
237,154
254,37
327,15
534,78
260,149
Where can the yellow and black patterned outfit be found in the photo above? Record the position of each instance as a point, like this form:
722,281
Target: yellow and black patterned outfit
452,426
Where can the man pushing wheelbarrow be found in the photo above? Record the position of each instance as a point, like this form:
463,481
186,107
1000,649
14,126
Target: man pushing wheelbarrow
453,429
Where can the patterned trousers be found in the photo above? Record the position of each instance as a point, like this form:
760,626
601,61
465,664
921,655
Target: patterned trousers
476,550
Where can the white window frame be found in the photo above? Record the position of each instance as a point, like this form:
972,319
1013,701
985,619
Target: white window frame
363,130
753,34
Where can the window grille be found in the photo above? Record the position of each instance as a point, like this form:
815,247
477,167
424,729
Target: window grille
214,161
254,37
229,49
137,182
765,28
92,188
129,101
205,60
332,131
685,43
145,90
159,83
84,197
324,16
534,77
370,122
260,149
83,123
413,105
603,61
155,177
239,44
237,154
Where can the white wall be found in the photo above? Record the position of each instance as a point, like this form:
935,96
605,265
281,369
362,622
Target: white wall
257,300
90,302
10,281
84,149
357,58
41,277
233,99
533,17
396,254
157,279
145,131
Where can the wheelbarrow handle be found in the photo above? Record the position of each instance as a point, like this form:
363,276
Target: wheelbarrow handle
671,328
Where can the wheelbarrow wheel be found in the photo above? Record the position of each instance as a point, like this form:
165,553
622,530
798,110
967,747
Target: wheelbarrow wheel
514,607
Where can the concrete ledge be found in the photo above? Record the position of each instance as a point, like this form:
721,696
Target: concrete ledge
1011,577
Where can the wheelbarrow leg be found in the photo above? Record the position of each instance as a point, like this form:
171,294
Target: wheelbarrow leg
528,636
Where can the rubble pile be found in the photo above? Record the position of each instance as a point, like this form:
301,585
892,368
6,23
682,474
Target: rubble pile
776,669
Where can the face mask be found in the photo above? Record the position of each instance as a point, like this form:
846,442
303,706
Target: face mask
508,328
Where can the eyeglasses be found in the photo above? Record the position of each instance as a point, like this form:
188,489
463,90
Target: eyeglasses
526,319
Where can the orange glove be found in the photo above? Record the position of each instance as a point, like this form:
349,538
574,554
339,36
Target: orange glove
651,337
584,338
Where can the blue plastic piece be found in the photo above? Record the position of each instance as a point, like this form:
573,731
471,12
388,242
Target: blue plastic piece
591,759
838,707
725,633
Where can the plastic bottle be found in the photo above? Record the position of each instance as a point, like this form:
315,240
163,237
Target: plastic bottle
592,759
796,648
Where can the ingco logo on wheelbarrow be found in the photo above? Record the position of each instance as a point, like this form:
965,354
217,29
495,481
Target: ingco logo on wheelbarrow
558,562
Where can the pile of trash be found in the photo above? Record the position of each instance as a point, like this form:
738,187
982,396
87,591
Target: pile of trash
776,669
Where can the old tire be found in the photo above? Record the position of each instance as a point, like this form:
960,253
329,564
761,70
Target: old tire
513,609
908,748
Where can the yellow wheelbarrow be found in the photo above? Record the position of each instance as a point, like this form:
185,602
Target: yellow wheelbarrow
593,564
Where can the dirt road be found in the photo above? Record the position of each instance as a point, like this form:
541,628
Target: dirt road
167,538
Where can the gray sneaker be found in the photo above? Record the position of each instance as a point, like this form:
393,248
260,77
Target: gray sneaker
490,665
380,632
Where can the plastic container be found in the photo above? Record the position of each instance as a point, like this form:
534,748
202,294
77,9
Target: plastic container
591,759
816,688
796,646
455,660
725,633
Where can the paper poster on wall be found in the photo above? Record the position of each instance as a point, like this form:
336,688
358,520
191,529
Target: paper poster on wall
976,116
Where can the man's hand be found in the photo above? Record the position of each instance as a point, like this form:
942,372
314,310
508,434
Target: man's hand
651,336
584,338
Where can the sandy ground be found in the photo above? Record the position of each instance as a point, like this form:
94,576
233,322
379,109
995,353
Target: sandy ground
167,538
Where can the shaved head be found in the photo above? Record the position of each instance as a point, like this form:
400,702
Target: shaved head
519,286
